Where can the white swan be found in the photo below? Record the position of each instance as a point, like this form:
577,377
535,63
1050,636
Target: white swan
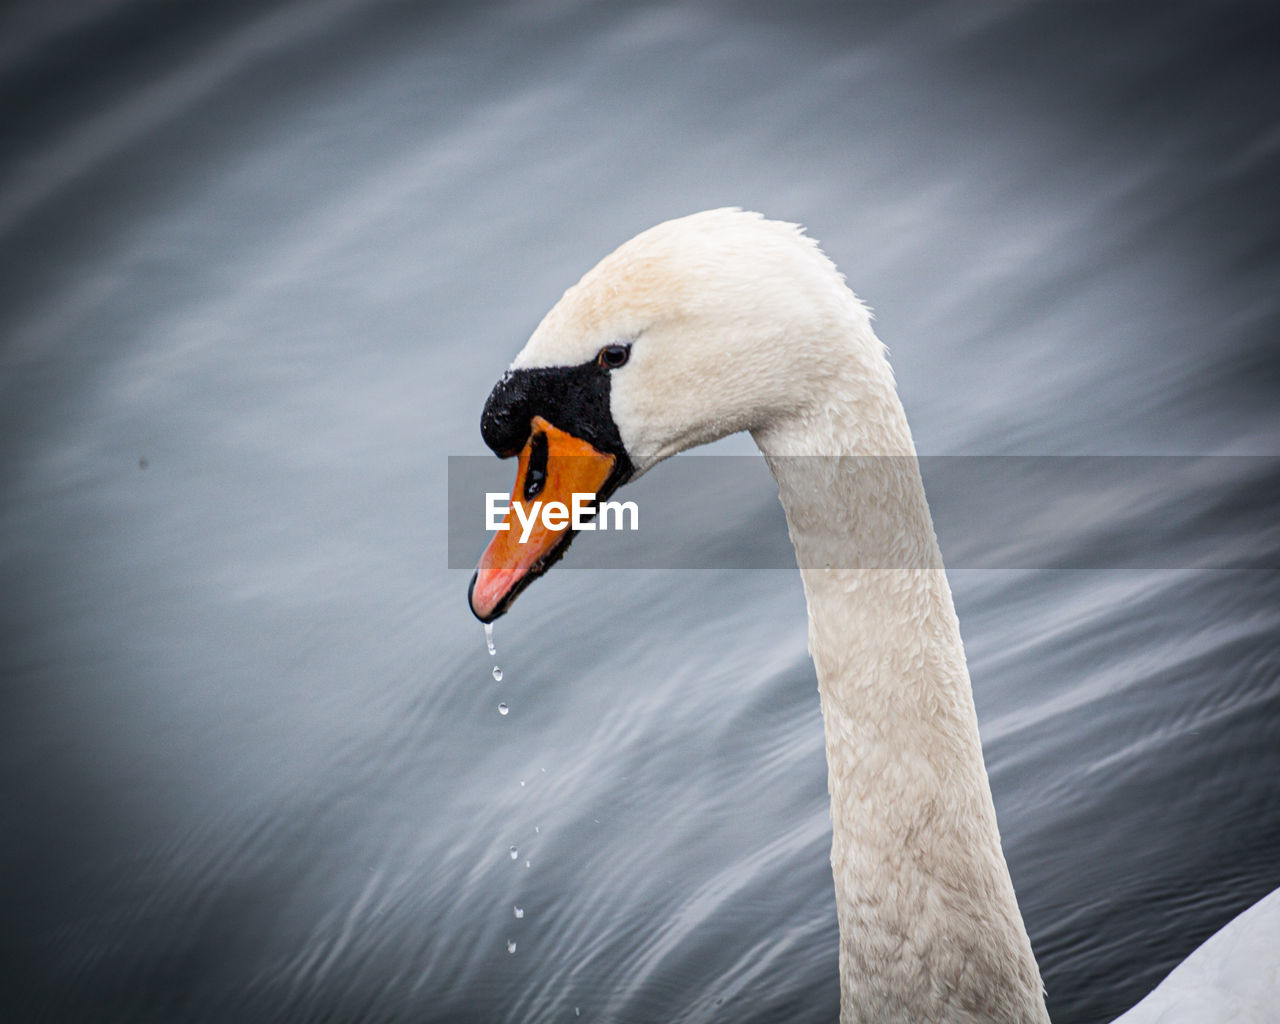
724,321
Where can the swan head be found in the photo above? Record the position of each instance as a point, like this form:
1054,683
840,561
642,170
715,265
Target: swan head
695,329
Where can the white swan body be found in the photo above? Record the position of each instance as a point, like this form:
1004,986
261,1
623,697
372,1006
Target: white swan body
739,323
1233,976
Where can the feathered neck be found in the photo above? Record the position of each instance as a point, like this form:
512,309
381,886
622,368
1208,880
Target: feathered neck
929,925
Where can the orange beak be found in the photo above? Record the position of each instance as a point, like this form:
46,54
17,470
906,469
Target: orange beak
554,465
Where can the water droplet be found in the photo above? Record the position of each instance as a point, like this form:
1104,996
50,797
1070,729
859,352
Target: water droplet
522,782
527,864
577,1012
511,945
497,674
518,911
537,828
488,638
515,852
503,709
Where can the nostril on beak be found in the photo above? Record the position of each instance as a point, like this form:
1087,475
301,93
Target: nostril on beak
535,477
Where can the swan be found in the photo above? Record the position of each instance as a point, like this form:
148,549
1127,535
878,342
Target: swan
724,321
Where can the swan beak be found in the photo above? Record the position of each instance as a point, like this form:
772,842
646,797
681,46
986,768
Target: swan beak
554,466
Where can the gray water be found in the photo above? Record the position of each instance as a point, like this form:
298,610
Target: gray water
262,264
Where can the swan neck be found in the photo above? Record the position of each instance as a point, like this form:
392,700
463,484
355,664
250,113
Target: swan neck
930,928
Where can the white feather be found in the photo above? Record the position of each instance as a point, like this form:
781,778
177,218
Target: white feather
740,323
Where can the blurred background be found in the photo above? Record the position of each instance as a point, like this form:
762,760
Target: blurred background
260,264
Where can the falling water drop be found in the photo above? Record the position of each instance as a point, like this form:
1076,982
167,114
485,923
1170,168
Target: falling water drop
537,828
577,1012
527,864
515,852
518,911
497,674
503,709
488,638
522,782
511,945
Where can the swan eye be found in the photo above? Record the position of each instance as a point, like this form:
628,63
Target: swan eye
613,356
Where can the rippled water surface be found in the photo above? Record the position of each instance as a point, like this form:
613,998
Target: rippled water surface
262,264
